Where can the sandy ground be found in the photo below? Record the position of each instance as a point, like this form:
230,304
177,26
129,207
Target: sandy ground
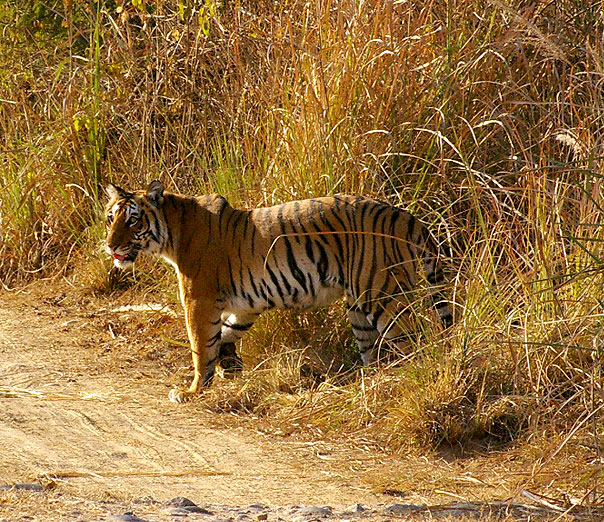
95,430
85,421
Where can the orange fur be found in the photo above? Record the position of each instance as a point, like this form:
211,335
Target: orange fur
233,264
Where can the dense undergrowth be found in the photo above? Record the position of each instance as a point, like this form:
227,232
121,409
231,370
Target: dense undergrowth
484,118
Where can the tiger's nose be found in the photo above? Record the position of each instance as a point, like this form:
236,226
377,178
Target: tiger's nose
111,245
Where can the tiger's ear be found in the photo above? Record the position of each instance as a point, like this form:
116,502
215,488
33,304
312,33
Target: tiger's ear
155,193
113,191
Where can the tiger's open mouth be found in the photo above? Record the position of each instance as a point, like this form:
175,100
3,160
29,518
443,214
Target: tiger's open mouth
124,260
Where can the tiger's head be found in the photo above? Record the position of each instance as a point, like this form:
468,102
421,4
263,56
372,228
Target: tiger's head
135,223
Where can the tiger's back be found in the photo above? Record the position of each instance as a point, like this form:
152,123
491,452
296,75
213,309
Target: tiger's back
290,255
233,264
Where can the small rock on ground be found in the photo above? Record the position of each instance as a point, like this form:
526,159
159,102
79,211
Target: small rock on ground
127,517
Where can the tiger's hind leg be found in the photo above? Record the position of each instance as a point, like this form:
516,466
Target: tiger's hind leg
234,326
391,319
379,331
366,336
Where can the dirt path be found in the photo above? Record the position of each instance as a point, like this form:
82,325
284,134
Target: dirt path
86,428
69,420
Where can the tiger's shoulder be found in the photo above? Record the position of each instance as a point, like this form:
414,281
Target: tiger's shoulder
213,203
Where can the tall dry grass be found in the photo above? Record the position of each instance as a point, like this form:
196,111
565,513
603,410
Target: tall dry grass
484,118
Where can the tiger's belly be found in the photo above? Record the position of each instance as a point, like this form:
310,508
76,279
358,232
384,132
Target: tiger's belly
324,296
296,299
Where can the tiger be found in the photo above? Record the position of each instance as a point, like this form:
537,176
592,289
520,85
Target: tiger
234,264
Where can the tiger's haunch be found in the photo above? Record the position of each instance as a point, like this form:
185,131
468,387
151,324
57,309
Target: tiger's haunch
234,264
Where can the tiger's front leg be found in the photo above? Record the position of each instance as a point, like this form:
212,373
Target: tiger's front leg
203,326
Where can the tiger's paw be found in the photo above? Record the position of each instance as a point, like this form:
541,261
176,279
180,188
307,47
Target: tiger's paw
231,366
180,396
229,361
